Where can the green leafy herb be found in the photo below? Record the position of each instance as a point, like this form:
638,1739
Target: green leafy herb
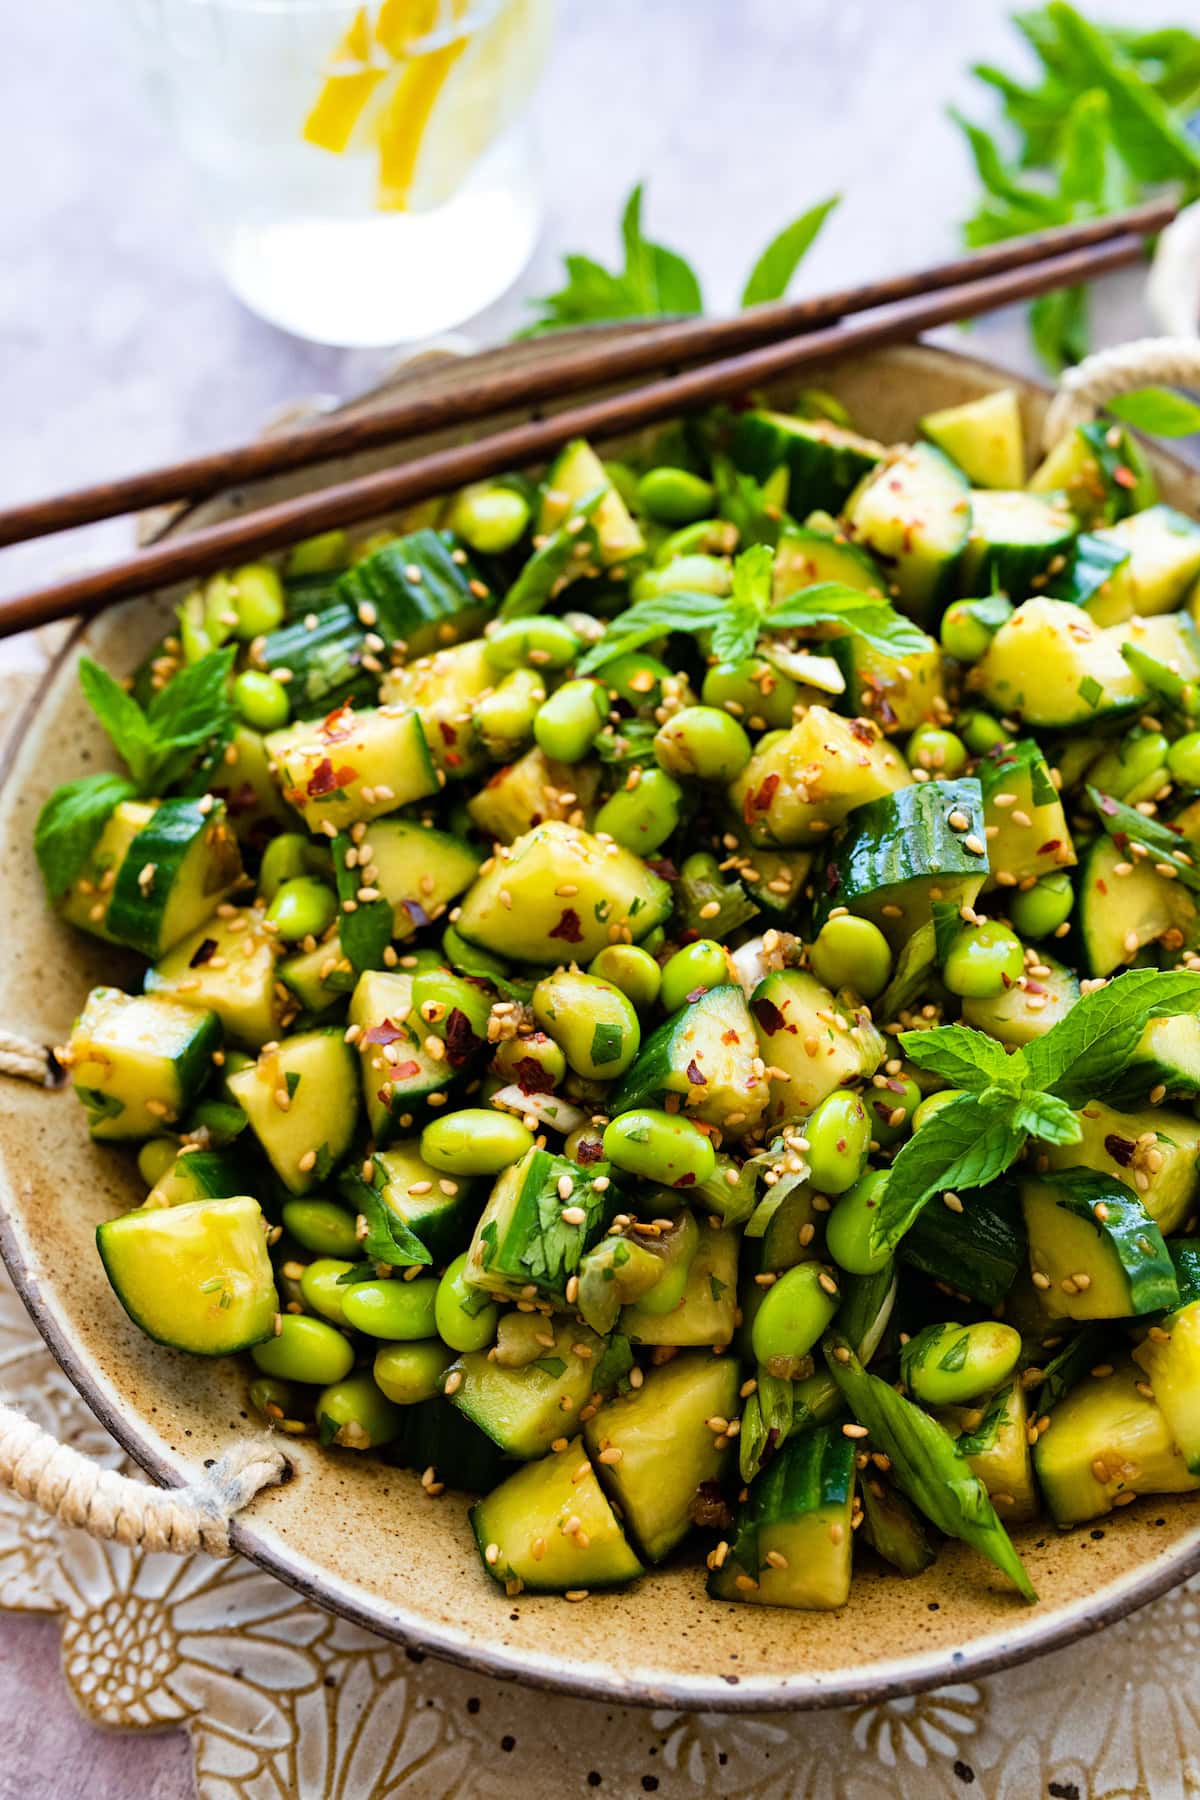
654,280
554,1366
767,1419
613,1364
649,619
160,742
1157,410
388,1239
327,1430
866,615
743,501
965,1144
70,826
962,1057
983,1438
1091,692
1089,1048
1047,1118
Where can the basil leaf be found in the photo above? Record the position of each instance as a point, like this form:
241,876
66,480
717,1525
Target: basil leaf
1090,1046
964,1057
1158,411
966,1144
869,617
70,824
771,275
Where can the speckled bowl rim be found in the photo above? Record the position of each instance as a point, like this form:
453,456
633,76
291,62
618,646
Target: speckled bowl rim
1033,1634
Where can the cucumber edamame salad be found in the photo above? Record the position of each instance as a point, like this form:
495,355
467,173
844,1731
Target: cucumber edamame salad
669,997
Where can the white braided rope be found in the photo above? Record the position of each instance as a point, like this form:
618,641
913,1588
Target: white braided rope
110,1505
1083,390
24,1059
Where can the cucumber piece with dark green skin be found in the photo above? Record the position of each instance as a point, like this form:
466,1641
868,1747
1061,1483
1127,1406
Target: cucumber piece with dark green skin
524,1409
178,868
314,1071
1170,1359
1164,561
894,1528
706,1053
793,1543
897,692
440,1437
1088,1349
1109,1437
895,856
1118,915
914,513
1082,1223
201,1175
805,556
195,1276
523,1247
1167,1056
1185,1254
441,1221
521,1529
1016,538
1091,571
227,966
398,1073
325,662
417,872
825,461
1028,833
669,1452
707,1308
138,1061
976,1252
422,591
1102,471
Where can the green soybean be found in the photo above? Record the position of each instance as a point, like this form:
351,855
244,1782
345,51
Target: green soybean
356,1415
848,1227
947,1364
257,600
941,752
691,574
592,1020
839,1136
287,857
489,519
275,1400
704,742
675,496
1041,909
321,1289
897,1100
660,1146
637,679
261,700
933,1103
321,1226
541,641
752,690
969,626
983,961
535,1063
467,957
706,537
409,1373
630,968
691,972
1183,759
980,732
796,1310
852,952
438,995
1135,770
504,718
392,1309
305,1349
568,721
155,1158
465,1317
478,1140
303,907
643,817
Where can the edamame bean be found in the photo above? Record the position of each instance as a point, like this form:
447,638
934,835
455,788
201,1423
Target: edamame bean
321,1289
752,690
892,1109
980,732
465,957
1183,759
704,742
796,1310
285,858
585,1145
637,679
504,718
360,1415
535,1063
275,1400
848,1227
630,968
1135,770
396,1310
454,1009
852,952
592,1021
568,721
540,641
941,752
257,600
969,626
707,537
1041,909
947,1365
476,1141
694,574
410,1373
321,1226
660,1146
306,1350
261,700
642,817
465,1317
490,519
839,1135
303,907
933,1103
983,961
155,1158
691,972
675,496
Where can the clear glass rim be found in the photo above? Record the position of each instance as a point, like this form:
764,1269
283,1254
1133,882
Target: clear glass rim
475,11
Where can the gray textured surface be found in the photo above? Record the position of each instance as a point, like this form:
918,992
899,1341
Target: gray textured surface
120,348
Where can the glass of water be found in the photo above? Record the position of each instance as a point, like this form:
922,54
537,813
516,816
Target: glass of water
365,171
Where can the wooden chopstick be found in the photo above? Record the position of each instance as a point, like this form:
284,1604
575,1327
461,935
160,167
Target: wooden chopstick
369,496
680,342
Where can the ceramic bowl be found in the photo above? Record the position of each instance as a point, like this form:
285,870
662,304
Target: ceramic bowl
360,1537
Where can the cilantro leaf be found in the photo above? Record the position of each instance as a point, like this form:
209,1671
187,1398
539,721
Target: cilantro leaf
1091,1046
70,824
964,1057
613,1364
872,619
388,1239
1157,410
160,743
771,275
966,1144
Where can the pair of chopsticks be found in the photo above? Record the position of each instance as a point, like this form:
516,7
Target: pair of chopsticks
699,361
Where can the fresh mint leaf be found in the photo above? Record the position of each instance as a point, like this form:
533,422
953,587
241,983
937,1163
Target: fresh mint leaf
1090,1047
966,1144
649,619
1091,176
1153,143
388,1239
742,500
121,717
1157,410
771,275
1047,1118
1041,209
964,1057
160,743
736,631
866,615
654,280
70,825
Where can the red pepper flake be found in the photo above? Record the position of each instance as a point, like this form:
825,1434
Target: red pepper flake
1049,847
405,1071
1107,805
387,1033
1121,1149
462,1041
882,1111
730,1037
695,1073
685,1181
1124,477
1101,886
239,800
887,712
449,732
1006,979
589,1150
568,928
453,759
768,1016
663,867
694,994
326,780
334,726
760,802
532,1077
863,730
833,878
206,949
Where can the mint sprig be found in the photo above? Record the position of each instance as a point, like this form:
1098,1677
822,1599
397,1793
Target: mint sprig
70,825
